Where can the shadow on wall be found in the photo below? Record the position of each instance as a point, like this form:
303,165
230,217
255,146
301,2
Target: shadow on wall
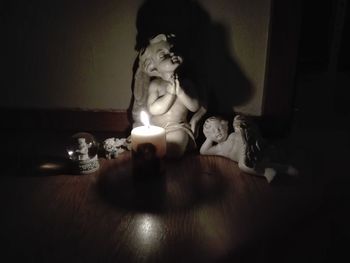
204,45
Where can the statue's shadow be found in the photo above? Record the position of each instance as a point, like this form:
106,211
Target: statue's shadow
205,46
172,189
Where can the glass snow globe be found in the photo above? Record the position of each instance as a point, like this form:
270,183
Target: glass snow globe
83,151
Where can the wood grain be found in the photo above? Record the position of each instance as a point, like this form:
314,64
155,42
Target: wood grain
200,209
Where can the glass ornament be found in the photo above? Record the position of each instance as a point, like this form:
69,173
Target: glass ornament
82,149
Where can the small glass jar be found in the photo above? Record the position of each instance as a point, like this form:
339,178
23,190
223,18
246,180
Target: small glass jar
83,151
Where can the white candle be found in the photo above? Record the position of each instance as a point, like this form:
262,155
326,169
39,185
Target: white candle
149,134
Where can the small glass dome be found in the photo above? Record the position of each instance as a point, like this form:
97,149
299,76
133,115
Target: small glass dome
82,149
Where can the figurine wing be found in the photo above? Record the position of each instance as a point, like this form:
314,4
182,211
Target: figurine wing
141,85
254,145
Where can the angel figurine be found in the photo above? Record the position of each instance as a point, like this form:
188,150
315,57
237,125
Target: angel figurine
168,100
244,146
83,149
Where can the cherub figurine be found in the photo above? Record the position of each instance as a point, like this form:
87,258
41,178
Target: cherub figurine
83,149
168,100
244,146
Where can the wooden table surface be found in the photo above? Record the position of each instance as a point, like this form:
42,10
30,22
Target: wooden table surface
201,209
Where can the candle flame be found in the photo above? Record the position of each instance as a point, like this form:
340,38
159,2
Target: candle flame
144,118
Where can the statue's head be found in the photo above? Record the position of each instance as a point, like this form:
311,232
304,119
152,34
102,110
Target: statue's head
157,59
216,129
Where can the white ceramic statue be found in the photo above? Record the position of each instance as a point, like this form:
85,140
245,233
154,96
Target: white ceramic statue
114,146
244,146
168,100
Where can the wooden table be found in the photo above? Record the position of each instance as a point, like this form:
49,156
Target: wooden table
202,209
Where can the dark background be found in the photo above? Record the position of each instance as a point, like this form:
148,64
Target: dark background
318,113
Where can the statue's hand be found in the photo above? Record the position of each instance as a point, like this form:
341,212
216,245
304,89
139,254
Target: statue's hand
178,88
207,134
174,85
171,87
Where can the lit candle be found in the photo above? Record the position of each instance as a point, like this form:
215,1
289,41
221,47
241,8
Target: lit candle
149,134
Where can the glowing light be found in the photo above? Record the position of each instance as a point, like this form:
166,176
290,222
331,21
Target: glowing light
146,227
148,234
149,134
50,166
144,118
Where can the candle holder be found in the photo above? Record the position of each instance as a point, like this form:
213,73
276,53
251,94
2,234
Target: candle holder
145,162
148,145
82,150
148,177
148,134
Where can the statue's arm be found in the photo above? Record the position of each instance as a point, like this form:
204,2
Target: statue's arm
208,148
196,118
160,103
